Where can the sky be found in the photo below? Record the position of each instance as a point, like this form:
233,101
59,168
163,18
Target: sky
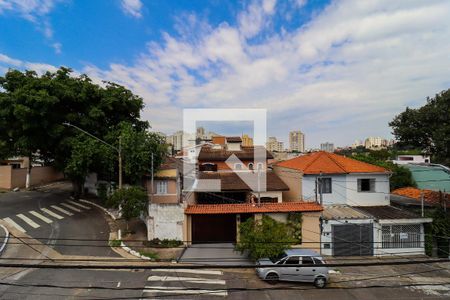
336,70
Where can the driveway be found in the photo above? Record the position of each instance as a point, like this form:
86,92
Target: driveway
214,254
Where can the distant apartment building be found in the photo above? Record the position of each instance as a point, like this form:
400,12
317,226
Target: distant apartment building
176,140
375,143
297,141
247,141
273,145
357,143
328,147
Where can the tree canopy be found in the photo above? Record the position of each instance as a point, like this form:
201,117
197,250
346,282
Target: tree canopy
426,128
33,109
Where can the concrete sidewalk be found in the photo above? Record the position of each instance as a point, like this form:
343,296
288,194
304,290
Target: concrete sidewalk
214,254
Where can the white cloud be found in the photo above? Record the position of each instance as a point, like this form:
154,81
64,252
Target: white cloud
57,47
7,62
341,76
132,8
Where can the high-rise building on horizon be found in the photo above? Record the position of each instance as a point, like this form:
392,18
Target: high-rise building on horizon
247,141
328,147
273,145
297,141
176,140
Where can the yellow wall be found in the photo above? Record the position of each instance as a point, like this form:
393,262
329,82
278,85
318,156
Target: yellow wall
293,179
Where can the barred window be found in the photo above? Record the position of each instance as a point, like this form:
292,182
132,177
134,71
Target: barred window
401,236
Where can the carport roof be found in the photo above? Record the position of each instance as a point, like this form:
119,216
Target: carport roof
339,212
238,208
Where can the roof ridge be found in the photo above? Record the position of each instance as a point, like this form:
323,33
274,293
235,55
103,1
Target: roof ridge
334,160
312,161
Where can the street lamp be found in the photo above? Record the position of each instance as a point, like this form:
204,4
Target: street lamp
119,150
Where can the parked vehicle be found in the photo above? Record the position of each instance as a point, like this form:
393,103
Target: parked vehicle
291,269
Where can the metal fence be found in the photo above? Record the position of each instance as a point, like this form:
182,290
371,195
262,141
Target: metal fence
401,236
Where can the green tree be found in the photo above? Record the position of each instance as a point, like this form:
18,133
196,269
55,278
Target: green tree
34,107
264,238
138,146
131,201
426,128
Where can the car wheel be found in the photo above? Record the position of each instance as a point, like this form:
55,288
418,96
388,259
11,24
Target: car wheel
272,278
320,282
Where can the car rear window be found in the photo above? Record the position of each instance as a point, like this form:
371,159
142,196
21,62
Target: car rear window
318,261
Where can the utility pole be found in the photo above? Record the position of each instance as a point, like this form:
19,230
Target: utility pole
153,186
120,162
320,188
421,201
259,187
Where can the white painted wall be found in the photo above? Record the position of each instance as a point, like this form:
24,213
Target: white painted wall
165,221
345,190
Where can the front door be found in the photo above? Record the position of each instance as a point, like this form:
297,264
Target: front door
289,270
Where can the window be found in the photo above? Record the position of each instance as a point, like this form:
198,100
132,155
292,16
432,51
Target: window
325,185
161,187
307,260
366,185
317,261
250,166
208,167
401,236
238,166
260,166
293,260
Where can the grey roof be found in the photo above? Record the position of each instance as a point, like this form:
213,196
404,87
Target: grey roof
302,252
339,212
387,212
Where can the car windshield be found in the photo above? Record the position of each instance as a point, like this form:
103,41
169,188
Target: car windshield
278,258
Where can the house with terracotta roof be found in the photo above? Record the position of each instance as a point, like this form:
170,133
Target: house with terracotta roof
213,212
357,219
411,197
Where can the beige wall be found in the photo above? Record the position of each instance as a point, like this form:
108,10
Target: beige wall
311,231
293,179
172,195
11,178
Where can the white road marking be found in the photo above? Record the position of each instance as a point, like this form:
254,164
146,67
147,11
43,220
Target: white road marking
38,215
118,284
193,271
52,214
62,210
71,207
78,204
186,279
14,224
28,221
183,290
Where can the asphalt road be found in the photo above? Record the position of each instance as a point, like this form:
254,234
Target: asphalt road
69,221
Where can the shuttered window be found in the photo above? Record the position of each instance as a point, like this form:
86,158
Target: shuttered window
366,185
325,185
161,187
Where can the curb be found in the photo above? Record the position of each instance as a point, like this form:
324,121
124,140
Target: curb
101,207
122,245
5,241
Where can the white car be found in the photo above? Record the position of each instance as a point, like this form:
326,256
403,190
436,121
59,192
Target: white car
288,268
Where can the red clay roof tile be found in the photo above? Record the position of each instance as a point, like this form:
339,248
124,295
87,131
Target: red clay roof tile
253,208
329,163
430,197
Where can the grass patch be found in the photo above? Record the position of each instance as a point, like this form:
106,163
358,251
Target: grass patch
115,243
149,254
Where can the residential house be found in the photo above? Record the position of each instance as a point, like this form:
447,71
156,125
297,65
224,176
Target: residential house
412,159
165,218
357,217
214,215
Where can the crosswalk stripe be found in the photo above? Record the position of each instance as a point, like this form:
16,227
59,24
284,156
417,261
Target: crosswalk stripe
28,221
52,214
183,290
14,224
62,210
78,204
193,271
186,279
38,215
71,207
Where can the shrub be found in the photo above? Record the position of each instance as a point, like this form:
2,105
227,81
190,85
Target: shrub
165,243
264,238
115,243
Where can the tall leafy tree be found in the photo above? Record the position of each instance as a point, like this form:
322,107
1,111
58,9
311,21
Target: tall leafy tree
427,127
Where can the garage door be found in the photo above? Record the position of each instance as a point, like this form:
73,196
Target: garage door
213,228
352,240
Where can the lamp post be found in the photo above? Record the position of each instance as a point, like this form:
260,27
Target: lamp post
119,150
